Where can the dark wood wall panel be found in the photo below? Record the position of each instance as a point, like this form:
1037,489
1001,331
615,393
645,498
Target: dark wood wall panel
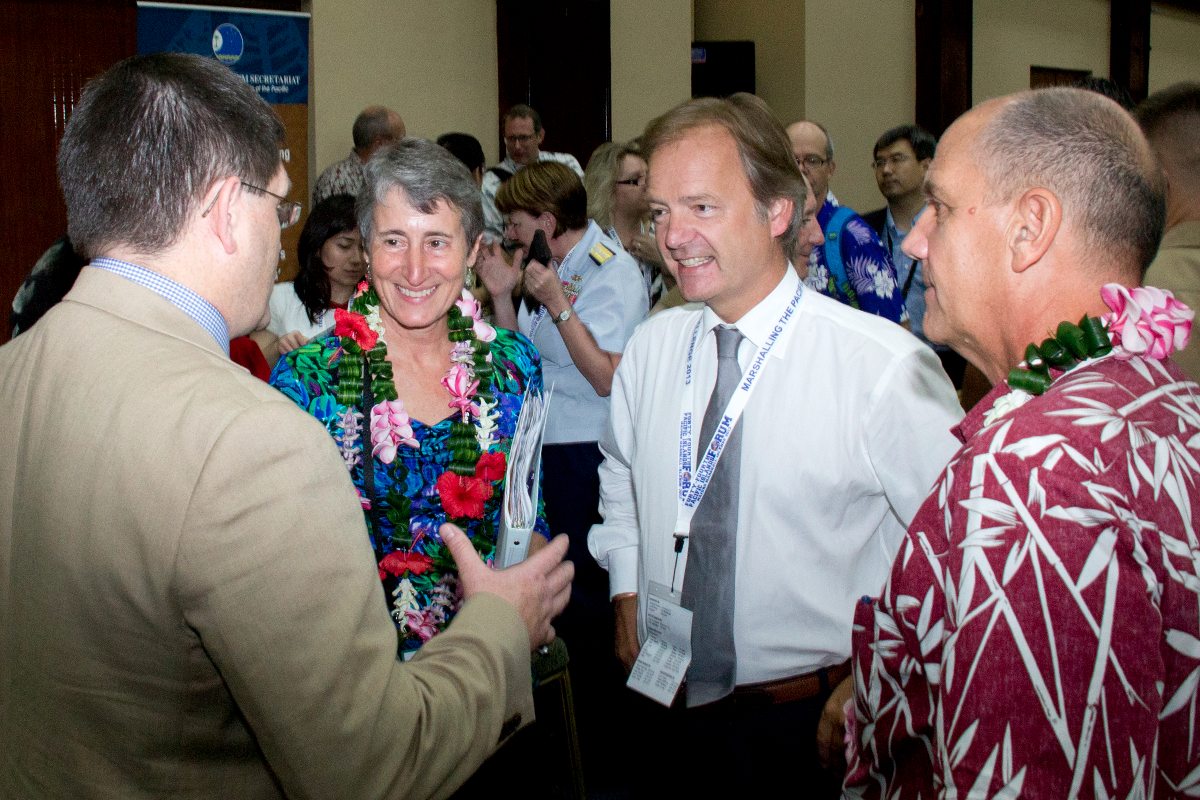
50,49
944,51
555,56
1129,46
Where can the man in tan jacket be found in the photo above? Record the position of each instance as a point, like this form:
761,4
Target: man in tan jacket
189,605
1171,122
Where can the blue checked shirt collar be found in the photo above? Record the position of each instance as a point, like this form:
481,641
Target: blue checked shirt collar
178,295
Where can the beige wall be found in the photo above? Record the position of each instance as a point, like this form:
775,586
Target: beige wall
435,63
848,64
1174,48
1010,36
651,61
777,29
859,77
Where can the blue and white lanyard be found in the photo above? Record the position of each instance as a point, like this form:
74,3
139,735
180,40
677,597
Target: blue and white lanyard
692,487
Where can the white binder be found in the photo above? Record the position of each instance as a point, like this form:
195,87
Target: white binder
522,480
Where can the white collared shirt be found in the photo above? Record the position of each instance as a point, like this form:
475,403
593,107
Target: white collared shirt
842,439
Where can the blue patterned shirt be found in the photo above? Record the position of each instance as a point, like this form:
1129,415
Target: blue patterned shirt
424,601
868,268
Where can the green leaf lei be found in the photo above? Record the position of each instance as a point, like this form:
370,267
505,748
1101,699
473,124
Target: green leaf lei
1069,345
463,443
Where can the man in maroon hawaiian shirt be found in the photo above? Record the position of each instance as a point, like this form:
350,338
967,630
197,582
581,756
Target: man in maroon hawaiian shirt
1039,634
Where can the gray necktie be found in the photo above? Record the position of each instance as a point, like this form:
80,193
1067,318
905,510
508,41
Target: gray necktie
709,579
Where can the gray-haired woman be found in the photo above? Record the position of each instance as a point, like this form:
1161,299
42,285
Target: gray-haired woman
421,395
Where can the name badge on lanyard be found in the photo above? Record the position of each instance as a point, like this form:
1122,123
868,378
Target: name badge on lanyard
664,657
692,485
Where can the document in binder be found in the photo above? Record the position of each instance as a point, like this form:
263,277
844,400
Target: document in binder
523,480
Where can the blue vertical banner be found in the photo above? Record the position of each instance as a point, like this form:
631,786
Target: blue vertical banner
269,50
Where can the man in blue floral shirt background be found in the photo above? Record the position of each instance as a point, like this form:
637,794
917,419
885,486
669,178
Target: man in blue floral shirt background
861,274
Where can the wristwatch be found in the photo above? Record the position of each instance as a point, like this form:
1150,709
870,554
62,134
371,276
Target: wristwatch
563,317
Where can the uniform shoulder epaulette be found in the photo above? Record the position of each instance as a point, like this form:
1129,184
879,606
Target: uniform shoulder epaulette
600,253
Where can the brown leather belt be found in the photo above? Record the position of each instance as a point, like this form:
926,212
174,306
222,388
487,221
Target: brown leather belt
789,690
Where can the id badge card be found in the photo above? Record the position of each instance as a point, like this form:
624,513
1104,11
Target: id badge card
667,651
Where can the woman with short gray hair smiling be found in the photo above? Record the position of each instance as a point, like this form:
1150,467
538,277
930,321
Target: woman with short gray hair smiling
421,395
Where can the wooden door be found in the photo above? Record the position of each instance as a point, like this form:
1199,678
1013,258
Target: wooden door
555,56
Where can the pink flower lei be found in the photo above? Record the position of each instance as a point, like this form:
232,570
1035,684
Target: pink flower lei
1145,321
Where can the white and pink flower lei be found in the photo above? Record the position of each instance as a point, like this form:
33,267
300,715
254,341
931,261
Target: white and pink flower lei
390,424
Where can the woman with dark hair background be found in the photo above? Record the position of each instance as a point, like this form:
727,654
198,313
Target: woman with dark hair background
331,266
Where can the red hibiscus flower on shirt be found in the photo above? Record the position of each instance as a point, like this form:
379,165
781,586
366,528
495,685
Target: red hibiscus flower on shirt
354,325
491,466
463,496
398,562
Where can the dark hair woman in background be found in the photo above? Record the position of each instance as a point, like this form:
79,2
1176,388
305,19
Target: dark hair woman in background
331,266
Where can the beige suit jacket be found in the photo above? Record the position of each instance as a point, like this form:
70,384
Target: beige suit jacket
1177,268
189,605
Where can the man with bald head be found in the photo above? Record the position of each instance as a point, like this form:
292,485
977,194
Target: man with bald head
1171,122
374,128
1039,635
852,266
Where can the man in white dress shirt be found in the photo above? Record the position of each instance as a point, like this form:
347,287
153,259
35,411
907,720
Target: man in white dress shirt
846,426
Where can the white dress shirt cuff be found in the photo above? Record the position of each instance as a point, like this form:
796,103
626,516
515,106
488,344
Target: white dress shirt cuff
622,571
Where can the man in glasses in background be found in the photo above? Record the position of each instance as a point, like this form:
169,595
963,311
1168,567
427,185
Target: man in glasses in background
189,603
852,266
523,135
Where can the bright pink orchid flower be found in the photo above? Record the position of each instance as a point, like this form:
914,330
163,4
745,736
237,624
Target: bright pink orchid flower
458,381
390,428
1146,321
421,623
469,306
484,332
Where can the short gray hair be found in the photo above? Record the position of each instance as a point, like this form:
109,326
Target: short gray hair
1088,151
427,173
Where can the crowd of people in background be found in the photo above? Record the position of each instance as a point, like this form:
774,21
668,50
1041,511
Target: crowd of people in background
278,580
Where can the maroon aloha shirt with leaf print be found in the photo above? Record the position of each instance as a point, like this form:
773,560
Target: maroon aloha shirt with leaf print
1039,634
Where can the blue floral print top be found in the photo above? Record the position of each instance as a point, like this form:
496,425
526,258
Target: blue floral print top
417,571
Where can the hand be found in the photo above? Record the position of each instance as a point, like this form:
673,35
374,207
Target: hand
831,730
290,341
539,587
544,285
626,629
537,543
645,249
498,276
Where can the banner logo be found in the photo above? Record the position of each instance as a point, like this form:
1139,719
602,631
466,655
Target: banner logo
227,43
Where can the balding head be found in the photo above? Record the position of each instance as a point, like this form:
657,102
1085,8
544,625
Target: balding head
813,148
1088,151
1171,121
1036,200
375,127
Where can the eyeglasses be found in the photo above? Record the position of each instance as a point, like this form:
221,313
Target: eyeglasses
525,138
635,181
812,162
895,159
288,211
